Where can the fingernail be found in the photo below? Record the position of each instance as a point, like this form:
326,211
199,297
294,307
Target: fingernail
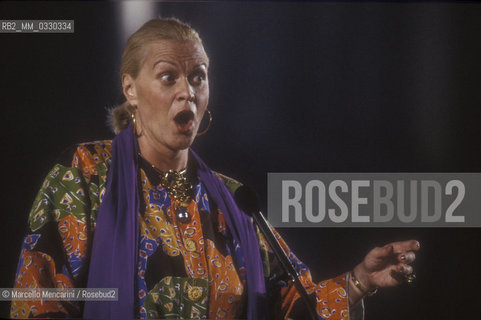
418,245
403,257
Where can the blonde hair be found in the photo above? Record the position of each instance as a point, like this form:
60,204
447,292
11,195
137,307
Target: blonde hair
134,54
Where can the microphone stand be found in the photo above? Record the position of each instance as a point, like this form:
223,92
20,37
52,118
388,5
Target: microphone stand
286,264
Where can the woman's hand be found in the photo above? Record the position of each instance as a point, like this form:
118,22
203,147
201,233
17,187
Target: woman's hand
383,267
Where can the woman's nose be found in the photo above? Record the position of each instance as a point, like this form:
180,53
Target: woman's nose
186,91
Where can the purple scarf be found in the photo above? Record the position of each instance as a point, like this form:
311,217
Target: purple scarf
113,262
241,228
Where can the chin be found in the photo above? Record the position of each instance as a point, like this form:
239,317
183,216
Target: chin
182,144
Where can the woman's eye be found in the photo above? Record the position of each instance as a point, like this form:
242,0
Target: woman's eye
167,77
198,77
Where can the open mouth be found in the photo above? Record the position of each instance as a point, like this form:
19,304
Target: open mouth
184,120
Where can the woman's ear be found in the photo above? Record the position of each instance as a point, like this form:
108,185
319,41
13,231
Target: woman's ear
128,87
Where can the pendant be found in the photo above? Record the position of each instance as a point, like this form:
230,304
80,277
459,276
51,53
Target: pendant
182,214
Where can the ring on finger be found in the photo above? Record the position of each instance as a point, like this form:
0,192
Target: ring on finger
410,278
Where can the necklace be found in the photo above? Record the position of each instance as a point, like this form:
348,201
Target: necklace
176,185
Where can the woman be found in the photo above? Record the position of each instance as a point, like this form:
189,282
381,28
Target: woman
167,231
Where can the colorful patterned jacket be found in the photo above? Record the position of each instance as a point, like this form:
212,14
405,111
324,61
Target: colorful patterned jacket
185,270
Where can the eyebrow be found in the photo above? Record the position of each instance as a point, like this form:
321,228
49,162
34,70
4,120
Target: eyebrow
159,61
202,64
175,65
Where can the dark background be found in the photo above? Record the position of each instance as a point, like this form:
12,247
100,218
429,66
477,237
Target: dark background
306,87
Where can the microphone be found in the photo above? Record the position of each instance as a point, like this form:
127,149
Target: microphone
247,200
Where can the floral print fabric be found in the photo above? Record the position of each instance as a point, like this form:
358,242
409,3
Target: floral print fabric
185,270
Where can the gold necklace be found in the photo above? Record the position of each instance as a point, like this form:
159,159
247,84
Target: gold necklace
176,185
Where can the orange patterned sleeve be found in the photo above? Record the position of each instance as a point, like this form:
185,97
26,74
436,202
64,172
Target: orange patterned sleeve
38,270
330,296
53,254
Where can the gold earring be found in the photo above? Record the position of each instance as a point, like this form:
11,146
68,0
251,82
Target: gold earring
134,124
208,126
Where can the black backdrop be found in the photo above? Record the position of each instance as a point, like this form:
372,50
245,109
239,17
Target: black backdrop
295,87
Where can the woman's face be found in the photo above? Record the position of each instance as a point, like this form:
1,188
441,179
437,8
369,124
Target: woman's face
171,93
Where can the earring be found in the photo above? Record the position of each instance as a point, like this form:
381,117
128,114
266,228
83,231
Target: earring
208,126
134,124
